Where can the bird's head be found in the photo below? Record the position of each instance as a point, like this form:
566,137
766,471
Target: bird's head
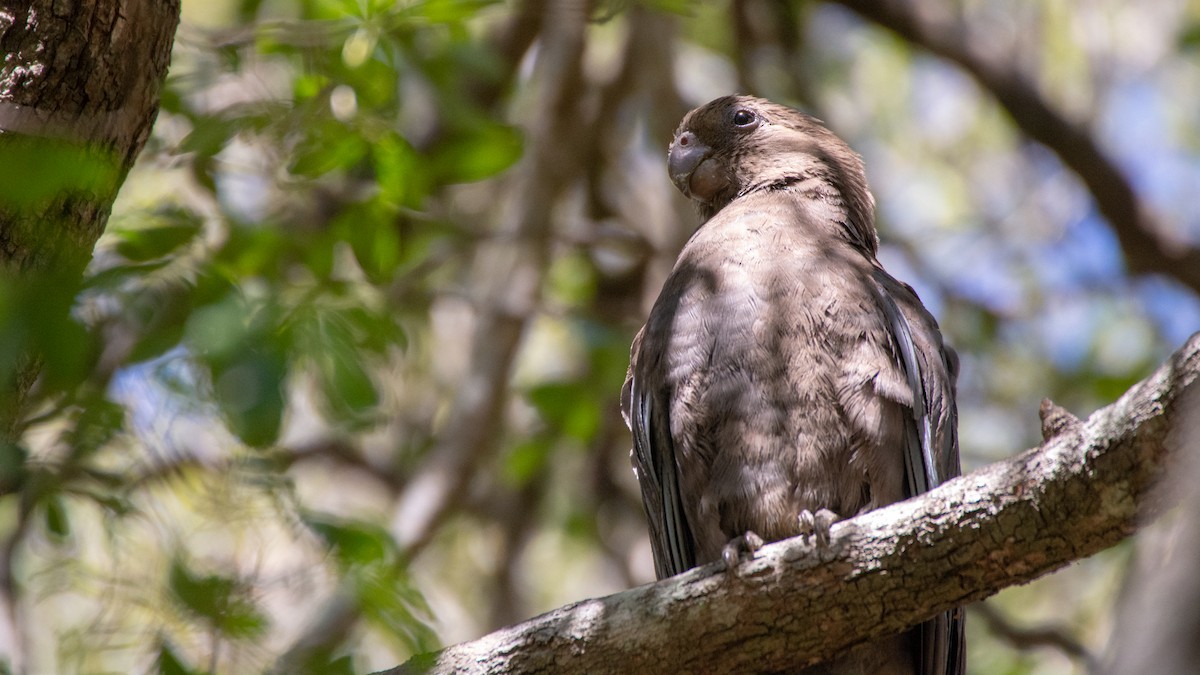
737,145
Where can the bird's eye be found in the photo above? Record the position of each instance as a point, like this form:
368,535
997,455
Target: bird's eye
744,118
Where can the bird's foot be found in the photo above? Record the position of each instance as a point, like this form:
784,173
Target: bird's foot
818,525
732,552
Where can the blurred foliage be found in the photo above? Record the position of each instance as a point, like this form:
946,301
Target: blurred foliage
270,339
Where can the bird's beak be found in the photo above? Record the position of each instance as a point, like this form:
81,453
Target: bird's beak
686,153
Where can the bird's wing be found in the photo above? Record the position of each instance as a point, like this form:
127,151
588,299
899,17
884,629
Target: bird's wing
930,444
653,455
920,461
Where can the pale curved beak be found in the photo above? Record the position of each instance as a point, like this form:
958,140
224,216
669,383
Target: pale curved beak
685,155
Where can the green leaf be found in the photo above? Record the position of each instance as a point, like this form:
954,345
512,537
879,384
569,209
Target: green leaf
174,229
329,147
571,280
448,11
97,422
569,407
211,286
206,596
348,385
388,598
215,332
354,543
57,522
308,85
113,277
378,330
12,466
373,234
38,322
170,663
374,82
160,338
220,602
1189,37
327,339
246,353
526,460
399,172
255,251
209,135
480,153
680,7
249,391
117,506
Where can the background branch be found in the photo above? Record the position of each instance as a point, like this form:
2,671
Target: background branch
1146,245
1024,637
513,265
514,270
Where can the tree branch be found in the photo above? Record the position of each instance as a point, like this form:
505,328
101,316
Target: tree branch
1147,247
1081,491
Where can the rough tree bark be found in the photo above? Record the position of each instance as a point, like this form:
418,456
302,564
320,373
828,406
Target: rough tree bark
84,74
79,92
1086,487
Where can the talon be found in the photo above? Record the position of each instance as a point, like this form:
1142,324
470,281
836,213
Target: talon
825,520
746,543
817,525
806,522
753,541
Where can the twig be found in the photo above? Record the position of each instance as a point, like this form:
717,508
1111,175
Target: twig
1041,636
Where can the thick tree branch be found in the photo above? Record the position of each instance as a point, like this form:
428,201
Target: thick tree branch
1147,247
1083,490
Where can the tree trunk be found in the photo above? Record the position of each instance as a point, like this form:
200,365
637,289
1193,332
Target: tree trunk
79,92
80,77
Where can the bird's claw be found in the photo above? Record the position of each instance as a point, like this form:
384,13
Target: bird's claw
817,525
732,552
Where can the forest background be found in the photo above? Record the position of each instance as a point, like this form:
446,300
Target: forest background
340,382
